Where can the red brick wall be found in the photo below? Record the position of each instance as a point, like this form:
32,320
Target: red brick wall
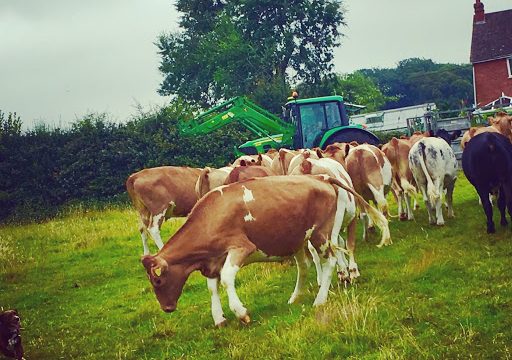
491,79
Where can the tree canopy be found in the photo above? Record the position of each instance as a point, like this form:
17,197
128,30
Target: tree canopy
416,81
251,47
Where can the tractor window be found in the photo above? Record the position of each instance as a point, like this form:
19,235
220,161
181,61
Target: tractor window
333,114
312,117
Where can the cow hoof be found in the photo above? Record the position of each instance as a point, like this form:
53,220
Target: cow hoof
245,319
403,217
440,223
491,229
371,229
504,222
343,277
222,324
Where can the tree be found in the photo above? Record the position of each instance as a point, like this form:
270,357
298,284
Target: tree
415,81
355,88
245,47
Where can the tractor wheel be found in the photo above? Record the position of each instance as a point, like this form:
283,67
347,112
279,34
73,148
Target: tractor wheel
353,134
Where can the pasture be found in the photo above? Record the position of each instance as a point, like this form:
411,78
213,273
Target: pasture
437,292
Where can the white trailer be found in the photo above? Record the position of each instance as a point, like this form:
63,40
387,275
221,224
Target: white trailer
393,119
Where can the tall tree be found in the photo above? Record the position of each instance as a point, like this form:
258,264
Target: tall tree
245,47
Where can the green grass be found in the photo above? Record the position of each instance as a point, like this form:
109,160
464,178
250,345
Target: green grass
437,292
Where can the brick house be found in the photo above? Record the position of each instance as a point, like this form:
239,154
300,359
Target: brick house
491,55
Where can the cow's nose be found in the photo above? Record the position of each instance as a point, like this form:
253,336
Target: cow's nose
168,309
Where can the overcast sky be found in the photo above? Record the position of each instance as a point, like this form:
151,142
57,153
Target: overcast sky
60,59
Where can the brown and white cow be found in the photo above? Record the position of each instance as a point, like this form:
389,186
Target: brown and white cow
260,159
211,178
244,172
397,152
334,169
281,161
500,123
261,219
371,175
161,193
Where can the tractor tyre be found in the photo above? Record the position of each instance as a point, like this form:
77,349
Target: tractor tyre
353,134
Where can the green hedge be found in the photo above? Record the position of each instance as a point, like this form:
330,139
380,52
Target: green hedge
43,169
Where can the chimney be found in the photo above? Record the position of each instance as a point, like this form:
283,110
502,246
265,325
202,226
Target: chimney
479,16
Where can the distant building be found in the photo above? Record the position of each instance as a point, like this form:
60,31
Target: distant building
491,55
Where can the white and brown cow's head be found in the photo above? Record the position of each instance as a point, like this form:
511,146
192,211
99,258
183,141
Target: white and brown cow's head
167,280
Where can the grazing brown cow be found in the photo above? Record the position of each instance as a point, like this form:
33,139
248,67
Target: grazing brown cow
397,152
159,194
261,219
244,172
210,179
10,338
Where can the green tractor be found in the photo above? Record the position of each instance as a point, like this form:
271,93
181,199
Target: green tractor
306,123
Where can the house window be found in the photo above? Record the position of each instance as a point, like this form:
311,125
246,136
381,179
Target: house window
509,65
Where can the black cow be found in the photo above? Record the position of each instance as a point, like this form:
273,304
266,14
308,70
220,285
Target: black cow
446,135
10,338
487,163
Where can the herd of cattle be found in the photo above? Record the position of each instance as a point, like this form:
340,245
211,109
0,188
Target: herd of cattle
264,208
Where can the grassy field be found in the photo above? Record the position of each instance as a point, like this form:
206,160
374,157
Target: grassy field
437,292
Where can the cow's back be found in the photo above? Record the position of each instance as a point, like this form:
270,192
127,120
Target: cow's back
155,188
273,212
487,159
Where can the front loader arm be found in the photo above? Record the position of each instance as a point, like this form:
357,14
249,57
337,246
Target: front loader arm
240,109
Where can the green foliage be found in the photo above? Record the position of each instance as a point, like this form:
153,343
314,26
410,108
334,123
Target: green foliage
436,293
416,81
356,88
43,169
248,47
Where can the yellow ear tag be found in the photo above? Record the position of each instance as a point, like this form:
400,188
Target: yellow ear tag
158,271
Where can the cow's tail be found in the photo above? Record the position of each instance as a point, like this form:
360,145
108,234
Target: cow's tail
431,189
407,187
378,219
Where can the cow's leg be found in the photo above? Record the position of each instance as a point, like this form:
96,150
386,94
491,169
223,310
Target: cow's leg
144,236
316,261
449,198
227,276
351,248
327,268
439,203
364,222
154,229
300,259
502,204
337,240
431,217
486,204
408,205
217,312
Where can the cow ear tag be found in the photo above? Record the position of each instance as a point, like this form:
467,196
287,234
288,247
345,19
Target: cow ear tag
158,271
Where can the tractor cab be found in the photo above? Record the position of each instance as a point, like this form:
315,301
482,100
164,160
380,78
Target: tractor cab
313,117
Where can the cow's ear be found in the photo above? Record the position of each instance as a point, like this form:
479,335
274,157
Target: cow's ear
319,153
491,120
380,146
354,143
